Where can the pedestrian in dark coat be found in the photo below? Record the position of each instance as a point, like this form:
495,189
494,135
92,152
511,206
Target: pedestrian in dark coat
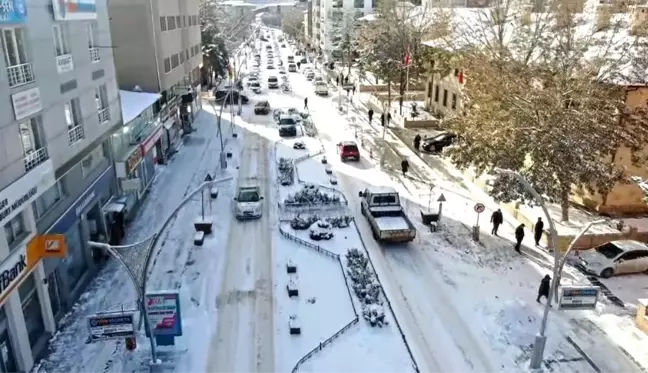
337,80
371,113
417,142
404,166
346,79
388,118
305,103
382,119
497,219
353,89
543,290
537,230
519,236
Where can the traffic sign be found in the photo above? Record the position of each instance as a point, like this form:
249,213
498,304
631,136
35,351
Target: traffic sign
479,208
441,198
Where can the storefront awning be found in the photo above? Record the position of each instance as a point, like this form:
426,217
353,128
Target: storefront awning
113,207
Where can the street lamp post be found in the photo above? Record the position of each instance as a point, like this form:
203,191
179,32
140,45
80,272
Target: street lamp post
541,338
138,272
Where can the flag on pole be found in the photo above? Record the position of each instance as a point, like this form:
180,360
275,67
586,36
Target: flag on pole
408,58
461,78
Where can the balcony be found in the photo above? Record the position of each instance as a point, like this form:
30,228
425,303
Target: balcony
103,116
20,74
33,159
64,63
94,55
75,135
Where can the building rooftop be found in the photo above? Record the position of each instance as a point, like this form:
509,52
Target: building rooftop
134,103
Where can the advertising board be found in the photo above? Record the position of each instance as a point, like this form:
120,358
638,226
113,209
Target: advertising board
578,297
113,326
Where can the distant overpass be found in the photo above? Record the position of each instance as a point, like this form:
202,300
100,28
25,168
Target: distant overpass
259,6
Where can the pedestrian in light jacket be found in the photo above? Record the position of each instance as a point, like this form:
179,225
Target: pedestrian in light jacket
519,236
497,219
537,230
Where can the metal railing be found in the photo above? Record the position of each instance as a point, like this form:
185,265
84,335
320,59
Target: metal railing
103,115
20,74
64,63
94,55
33,159
75,135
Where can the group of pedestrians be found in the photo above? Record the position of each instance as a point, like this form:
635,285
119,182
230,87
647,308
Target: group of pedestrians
497,219
383,117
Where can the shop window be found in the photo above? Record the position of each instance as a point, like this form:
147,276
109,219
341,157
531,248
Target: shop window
31,310
15,230
48,199
76,260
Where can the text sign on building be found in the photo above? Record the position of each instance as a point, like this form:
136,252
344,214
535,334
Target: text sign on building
27,102
578,297
74,10
17,196
104,327
13,11
149,143
134,160
163,310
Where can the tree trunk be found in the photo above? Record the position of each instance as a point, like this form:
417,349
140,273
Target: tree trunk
388,102
401,91
564,205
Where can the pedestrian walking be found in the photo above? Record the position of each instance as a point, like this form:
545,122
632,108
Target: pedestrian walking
337,81
370,113
497,219
346,79
382,119
537,231
354,89
519,236
543,290
298,65
417,142
404,166
388,118
305,103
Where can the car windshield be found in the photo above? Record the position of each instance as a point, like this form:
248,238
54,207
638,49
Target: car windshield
350,148
287,121
248,195
255,85
609,250
272,79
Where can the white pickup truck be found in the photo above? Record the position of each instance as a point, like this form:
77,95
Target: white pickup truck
389,223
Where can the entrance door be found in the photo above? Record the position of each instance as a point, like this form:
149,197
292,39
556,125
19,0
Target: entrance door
55,296
7,360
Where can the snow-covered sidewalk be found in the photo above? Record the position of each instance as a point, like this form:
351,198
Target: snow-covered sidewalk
178,265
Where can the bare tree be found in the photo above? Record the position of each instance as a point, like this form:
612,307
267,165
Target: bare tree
541,97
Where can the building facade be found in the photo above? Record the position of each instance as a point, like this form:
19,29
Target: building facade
158,49
337,19
62,105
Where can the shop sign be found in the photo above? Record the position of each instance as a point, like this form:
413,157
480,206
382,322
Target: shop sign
578,297
163,310
22,260
148,144
25,190
134,159
13,11
27,102
113,326
73,212
74,10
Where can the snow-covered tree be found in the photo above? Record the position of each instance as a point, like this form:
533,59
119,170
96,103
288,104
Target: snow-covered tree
292,24
541,97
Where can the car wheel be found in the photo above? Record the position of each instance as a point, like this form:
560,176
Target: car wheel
607,273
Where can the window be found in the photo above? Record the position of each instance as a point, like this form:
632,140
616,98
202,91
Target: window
101,97
436,93
60,40
91,31
171,23
373,4
15,230
429,89
358,4
187,54
454,101
163,24
72,114
14,46
167,65
184,21
30,136
178,22
445,97
182,57
174,61
48,199
195,20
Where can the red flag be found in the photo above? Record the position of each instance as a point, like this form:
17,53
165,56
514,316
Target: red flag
461,78
408,58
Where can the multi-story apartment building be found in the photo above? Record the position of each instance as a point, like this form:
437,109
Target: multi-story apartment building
60,107
337,18
158,49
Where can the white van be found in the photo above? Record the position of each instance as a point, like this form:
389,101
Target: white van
321,88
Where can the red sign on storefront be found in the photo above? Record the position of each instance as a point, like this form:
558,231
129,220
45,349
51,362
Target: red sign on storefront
148,144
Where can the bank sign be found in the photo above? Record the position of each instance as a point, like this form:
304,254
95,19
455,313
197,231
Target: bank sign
13,11
18,196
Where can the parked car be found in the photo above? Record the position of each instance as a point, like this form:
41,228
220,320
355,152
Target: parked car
348,150
220,95
273,82
321,88
277,113
287,126
262,107
614,258
255,87
292,68
437,143
310,76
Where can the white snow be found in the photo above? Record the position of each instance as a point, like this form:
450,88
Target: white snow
134,103
391,223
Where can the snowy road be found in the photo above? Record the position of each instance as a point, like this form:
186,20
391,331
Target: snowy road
244,341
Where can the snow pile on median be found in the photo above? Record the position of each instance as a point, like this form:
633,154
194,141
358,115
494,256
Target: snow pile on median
303,223
366,287
286,171
311,195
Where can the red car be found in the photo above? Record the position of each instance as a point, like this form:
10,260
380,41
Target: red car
348,150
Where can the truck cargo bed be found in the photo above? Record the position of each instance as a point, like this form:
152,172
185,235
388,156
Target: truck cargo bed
391,223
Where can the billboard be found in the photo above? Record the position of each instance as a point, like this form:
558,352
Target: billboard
74,10
578,297
13,11
115,326
163,310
